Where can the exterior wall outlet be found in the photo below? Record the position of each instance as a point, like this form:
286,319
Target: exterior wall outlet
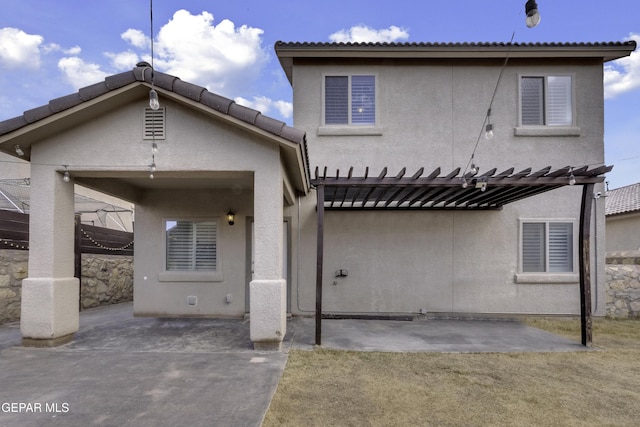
228,299
192,300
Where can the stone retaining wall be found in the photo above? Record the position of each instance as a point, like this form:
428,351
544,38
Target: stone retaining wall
623,284
106,279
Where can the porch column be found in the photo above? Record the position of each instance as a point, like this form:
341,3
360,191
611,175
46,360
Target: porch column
267,290
50,293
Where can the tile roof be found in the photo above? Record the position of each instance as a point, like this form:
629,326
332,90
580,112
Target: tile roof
623,200
449,45
142,73
606,50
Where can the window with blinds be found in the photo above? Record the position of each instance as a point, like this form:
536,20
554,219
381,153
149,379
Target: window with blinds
547,247
546,101
349,100
191,245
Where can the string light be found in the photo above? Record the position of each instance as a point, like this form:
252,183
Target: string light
533,15
154,146
488,130
572,178
19,151
465,184
66,177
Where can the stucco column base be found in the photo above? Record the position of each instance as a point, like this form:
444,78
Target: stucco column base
268,313
54,342
49,310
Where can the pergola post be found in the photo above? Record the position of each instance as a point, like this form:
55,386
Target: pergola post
319,262
584,246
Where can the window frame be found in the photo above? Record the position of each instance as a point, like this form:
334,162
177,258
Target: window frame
546,129
547,276
191,275
349,127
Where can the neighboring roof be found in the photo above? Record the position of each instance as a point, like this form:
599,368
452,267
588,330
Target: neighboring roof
606,51
446,192
623,200
142,73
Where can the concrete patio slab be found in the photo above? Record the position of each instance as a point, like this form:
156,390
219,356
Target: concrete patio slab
125,371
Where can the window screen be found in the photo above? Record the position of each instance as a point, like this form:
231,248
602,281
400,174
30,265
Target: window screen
336,100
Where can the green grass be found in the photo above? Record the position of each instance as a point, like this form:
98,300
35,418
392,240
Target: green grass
595,388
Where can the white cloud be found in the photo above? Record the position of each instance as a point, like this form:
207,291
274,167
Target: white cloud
623,75
123,60
221,57
74,51
265,105
79,73
19,49
136,38
364,34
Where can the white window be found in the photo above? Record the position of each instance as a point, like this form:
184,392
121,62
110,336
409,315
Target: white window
547,247
191,245
349,100
546,101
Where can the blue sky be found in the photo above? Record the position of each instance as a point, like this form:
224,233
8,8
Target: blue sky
51,48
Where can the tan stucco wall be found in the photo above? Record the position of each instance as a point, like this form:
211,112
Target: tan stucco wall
623,232
444,261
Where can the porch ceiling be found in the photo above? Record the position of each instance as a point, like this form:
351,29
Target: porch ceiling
436,191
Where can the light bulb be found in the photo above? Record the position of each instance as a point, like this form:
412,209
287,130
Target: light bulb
465,184
151,175
572,179
153,99
19,151
66,177
153,167
474,169
488,134
533,16
154,148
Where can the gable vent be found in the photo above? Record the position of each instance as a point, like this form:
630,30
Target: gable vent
153,123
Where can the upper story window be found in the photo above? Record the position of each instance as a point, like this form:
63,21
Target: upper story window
350,100
546,101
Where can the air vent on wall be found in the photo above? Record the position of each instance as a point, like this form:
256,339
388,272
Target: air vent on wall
153,123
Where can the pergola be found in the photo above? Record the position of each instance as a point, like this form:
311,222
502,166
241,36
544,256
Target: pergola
469,191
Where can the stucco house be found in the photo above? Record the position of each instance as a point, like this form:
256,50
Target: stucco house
371,203
623,218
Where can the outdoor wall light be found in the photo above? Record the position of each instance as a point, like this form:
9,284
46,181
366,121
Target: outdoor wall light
533,16
231,217
19,151
153,99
